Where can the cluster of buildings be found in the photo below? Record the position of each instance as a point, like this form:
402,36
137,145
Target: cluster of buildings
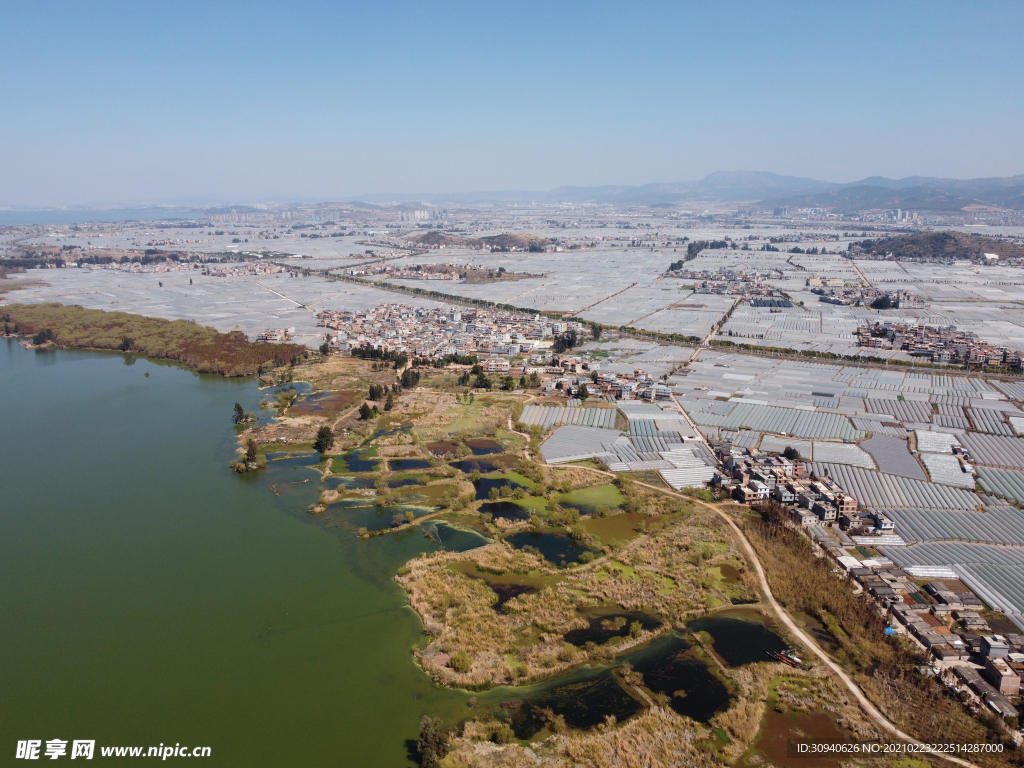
944,344
136,267
248,269
635,385
945,620
439,332
729,282
755,477
853,295
417,272
950,625
275,334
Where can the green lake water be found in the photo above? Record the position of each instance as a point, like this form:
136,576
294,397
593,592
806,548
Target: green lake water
148,595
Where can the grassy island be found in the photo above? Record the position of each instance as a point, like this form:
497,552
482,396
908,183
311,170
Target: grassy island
198,346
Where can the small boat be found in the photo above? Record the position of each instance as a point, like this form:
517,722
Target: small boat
786,657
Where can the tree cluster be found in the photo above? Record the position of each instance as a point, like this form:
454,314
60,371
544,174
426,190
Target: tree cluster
200,347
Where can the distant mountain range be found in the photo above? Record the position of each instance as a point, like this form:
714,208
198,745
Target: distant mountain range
768,190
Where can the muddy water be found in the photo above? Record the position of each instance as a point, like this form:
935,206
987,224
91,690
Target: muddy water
443,447
779,728
484,446
615,528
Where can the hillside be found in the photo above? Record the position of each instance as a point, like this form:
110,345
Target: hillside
508,242
434,239
503,242
914,193
771,189
937,246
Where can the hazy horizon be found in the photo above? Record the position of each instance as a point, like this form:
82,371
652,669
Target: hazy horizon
192,104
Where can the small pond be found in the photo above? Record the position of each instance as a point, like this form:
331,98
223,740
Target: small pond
356,513
348,482
606,625
583,704
556,548
355,462
484,446
300,387
778,728
505,510
668,667
739,641
620,527
402,465
588,695
387,432
476,465
443,447
454,539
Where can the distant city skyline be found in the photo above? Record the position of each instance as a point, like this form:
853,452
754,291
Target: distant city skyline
193,103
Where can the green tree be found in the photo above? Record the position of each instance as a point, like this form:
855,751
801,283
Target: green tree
791,453
389,403
635,629
251,450
433,743
42,337
239,416
364,412
324,439
583,392
376,392
126,343
325,349
504,734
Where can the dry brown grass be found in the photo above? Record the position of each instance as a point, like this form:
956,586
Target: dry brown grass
658,738
458,611
580,478
667,570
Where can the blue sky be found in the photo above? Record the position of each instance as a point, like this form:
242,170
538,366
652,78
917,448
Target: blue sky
106,102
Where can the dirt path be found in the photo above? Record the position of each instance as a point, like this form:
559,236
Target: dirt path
870,709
